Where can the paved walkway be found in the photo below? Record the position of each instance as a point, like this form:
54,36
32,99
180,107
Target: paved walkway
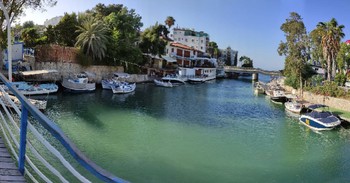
8,169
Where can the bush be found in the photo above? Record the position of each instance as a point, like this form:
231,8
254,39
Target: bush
340,79
328,89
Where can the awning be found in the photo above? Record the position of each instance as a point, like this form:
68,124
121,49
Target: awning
35,72
169,59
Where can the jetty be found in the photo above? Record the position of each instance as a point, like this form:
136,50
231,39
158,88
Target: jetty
8,170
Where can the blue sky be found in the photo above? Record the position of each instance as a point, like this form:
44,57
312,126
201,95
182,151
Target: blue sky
250,26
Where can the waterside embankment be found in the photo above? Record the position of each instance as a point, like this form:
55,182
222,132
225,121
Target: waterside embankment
333,102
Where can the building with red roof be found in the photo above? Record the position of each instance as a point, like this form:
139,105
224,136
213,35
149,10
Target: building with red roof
347,42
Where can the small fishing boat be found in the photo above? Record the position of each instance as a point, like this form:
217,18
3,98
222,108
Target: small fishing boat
35,89
114,81
319,120
79,83
174,79
40,104
124,88
163,83
293,106
109,83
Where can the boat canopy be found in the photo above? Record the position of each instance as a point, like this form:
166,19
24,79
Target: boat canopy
36,72
316,106
169,59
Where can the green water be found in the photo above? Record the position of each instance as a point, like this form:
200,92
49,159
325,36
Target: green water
213,132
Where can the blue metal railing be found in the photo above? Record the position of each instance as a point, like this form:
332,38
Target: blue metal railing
28,108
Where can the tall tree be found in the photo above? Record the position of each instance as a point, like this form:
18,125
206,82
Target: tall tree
246,61
295,49
50,34
124,26
66,30
343,57
331,35
213,49
15,9
93,38
170,21
152,40
28,24
29,36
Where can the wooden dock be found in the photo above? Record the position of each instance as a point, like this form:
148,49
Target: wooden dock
8,169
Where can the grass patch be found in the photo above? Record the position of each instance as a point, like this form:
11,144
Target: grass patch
341,113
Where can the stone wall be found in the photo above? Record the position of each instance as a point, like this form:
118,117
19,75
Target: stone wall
69,69
63,59
55,53
337,103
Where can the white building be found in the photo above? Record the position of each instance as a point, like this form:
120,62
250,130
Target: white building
53,21
191,38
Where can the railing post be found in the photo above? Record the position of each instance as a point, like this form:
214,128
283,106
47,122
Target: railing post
23,138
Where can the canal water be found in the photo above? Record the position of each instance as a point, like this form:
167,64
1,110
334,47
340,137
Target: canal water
213,132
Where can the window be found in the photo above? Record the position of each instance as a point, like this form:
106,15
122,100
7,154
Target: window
201,41
201,47
192,40
167,51
172,50
186,40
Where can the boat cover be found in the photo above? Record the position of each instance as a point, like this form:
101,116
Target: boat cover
325,117
316,106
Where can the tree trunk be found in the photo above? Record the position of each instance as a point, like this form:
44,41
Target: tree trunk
333,67
328,68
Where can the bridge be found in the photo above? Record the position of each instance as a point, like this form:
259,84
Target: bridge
250,70
41,149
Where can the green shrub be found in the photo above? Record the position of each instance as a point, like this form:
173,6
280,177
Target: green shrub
340,79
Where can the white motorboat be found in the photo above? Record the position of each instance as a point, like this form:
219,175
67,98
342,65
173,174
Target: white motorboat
79,83
163,83
293,106
277,96
319,120
124,88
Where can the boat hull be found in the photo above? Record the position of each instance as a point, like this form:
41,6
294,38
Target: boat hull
279,100
124,89
78,87
317,125
293,107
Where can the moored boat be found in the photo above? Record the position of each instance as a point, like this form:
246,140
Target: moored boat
163,83
40,104
277,96
124,88
114,81
293,106
35,89
319,120
79,83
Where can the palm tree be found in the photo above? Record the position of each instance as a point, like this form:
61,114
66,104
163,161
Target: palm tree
93,38
331,35
169,21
